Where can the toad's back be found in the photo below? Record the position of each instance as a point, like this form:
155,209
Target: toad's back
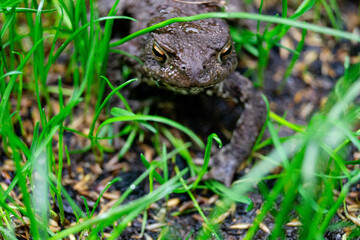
145,10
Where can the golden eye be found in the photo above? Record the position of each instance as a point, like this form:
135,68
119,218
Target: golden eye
158,53
226,51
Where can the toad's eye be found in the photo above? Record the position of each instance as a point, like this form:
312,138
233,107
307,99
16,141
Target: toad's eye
158,53
226,51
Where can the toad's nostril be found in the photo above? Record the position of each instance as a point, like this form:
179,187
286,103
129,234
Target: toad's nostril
183,67
204,66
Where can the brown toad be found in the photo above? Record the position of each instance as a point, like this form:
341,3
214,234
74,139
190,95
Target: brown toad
193,57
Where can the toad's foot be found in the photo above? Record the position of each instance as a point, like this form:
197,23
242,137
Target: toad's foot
225,162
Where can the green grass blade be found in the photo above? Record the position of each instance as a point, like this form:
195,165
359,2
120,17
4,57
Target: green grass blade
169,122
106,100
243,15
136,205
6,95
9,3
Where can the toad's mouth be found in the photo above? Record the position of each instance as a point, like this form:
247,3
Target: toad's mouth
191,84
181,89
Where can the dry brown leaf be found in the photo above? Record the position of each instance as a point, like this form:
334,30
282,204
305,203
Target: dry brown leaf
156,227
294,223
241,226
173,202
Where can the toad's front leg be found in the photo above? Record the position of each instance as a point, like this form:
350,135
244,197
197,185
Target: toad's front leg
225,162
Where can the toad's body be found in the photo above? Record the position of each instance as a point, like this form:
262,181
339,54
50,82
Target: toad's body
190,57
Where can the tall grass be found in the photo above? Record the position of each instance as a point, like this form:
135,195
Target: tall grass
34,35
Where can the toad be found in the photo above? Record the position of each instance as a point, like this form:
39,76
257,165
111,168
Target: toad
194,57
